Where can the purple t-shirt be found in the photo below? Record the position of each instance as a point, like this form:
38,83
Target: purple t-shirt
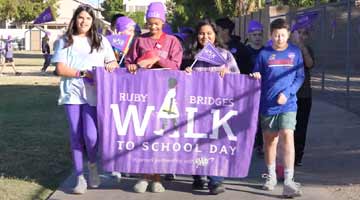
169,51
9,50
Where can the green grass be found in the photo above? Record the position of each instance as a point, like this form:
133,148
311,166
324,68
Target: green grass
34,148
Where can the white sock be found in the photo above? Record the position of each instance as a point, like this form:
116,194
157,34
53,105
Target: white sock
288,175
271,171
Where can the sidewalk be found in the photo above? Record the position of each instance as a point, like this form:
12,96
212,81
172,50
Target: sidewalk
331,159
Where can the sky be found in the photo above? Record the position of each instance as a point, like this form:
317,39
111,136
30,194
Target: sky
95,2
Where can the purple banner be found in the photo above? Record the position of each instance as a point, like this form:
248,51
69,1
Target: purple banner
167,121
45,16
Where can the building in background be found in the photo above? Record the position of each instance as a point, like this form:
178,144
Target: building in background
29,36
138,5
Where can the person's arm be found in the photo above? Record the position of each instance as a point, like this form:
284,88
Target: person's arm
110,60
174,58
307,57
231,63
131,56
60,60
257,70
299,77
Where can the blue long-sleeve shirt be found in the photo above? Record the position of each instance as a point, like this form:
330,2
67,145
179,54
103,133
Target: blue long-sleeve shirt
281,72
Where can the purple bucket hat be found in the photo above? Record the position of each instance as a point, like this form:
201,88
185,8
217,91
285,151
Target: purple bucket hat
254,26
156,10
304,20
123,23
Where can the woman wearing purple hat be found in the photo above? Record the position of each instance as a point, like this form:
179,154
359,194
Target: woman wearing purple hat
125,25
155,49
299,37
254,46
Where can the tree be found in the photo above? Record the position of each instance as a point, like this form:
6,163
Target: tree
23,10
112,7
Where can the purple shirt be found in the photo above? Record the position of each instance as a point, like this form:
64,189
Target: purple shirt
170,51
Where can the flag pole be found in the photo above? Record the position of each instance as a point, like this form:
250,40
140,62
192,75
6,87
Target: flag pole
192,65
122,58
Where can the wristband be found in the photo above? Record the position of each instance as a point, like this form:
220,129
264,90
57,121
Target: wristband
82,74
77,74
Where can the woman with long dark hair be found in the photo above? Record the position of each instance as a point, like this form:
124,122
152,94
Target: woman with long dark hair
206,32
78,51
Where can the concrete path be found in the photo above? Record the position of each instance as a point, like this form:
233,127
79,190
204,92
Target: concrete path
331,159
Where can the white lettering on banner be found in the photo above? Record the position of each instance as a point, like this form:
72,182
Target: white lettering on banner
222,122
128,146
190,125
223,149
213,148
140,127
175,147
131,113
133,97
200,100
202,162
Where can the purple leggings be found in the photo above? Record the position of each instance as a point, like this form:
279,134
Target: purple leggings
83,133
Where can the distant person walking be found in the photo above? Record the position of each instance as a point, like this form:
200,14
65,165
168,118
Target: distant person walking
2,50
9,56
46,52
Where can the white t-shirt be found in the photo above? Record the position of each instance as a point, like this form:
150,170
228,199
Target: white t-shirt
77,56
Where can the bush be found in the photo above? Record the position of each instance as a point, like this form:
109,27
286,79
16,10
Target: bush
138,17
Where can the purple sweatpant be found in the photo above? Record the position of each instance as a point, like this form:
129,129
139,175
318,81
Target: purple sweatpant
83,133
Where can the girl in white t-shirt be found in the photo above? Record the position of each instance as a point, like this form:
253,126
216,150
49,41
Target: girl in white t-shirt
78,51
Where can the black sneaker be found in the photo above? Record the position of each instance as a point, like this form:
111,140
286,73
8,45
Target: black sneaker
216,189
298,163
259,151
170,177
198,185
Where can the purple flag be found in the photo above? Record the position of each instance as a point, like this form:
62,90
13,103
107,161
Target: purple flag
119,41
210,55
166,121
305,20
45,16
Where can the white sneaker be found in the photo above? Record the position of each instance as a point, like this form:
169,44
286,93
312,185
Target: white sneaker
270,182
116,175
141,186
94,179
81,185
157,187
291,189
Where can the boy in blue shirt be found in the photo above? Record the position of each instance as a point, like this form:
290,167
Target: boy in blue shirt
281,70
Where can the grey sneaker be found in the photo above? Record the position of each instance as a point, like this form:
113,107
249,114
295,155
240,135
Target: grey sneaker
94,179
157,187
292,189
81,185
141,186
270,182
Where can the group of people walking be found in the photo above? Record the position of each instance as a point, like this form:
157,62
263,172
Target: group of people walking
280,66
